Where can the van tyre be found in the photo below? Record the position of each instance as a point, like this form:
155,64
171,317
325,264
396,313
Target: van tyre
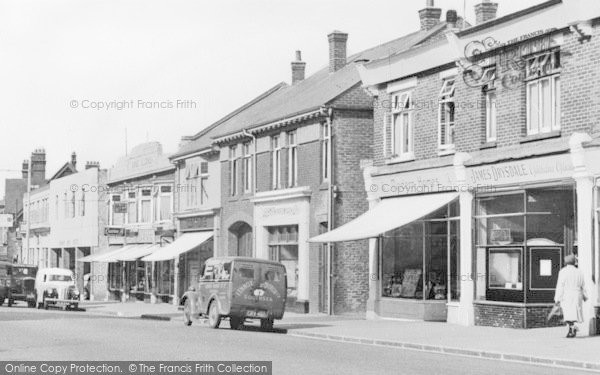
214,318
266,324
187,313
235,322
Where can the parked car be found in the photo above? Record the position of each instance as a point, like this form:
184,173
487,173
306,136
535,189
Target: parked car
238,288
5,268
22,286
56,287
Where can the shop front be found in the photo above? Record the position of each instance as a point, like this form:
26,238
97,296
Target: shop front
281,220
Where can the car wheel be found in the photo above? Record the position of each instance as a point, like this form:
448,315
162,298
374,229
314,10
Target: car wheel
266,324
187,312
235,322
214,319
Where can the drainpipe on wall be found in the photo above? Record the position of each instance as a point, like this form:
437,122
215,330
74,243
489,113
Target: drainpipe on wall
330,213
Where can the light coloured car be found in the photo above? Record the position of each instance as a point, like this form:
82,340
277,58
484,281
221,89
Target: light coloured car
56,287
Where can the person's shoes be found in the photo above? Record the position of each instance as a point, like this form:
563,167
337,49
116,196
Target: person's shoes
571,333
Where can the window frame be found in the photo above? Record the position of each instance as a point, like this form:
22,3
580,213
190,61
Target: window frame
233,170
540,68
276,162
325,151
491,115
247,166
445,97
402,108
292,143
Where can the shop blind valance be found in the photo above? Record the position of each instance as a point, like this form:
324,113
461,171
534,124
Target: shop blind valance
181,245
387,215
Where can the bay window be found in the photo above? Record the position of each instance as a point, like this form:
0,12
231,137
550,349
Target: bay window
446,115
403,143
543,93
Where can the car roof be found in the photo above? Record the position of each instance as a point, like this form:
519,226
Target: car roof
58,271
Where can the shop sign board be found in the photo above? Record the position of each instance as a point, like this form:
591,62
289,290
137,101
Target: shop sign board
415,182
196,222
547,168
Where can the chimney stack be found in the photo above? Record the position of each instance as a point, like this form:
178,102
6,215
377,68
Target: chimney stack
451,18
38,167
429,16
25,169
337,50
92,164
485,11
74,159
298,68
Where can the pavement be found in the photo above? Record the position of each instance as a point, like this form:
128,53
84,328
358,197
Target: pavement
54,335
541,346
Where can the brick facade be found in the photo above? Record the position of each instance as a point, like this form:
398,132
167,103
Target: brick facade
506,316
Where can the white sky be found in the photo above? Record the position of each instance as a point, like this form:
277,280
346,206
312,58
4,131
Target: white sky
218,54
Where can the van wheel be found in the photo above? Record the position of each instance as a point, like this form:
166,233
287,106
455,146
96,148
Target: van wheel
235,322
266,324
214,319
187,313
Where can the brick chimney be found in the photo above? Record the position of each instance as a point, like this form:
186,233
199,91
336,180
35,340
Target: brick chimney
92,164
74,159
298,68
429,16
38,167
485,11
337,50
451,18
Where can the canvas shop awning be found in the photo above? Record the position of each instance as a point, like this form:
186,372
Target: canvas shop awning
101,257
389,214
135,252
185,243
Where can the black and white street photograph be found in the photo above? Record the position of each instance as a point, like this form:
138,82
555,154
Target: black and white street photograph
299,187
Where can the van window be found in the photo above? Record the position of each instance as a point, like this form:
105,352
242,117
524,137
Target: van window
223,271
208,272
246,273
273,275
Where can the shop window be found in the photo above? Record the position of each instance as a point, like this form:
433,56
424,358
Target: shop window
505,269
446,115
283,247
115,275
165,280
543,93
421,259
521,239
402,117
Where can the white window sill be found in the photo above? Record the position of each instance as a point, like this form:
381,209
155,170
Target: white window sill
446,151
401,159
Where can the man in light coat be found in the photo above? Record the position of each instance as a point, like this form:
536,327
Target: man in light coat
570,294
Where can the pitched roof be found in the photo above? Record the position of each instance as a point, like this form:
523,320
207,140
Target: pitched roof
284,101
318,89
67,169
202,140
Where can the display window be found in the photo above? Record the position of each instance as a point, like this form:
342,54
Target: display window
521,239
421,260
283,247
165,278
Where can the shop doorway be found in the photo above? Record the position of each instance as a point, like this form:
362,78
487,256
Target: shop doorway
242,238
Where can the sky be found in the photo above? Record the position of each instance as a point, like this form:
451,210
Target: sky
98,77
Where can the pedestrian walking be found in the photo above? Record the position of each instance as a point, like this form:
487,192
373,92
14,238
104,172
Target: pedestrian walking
570,294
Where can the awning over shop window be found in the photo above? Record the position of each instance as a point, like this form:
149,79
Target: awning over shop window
181,245
387,215
135,252
102,257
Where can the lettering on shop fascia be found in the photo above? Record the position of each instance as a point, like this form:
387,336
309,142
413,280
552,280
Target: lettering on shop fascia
280,211
196,222
521,171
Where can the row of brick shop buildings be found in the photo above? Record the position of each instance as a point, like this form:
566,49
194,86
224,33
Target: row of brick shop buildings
442,176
